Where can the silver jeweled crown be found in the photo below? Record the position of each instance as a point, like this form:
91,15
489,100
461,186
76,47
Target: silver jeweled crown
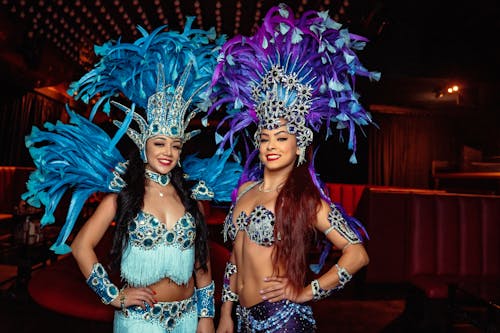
166,113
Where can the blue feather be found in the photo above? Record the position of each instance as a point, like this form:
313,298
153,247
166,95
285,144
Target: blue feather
219,174
77,157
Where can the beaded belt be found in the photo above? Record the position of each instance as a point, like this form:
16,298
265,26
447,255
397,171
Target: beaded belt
165,314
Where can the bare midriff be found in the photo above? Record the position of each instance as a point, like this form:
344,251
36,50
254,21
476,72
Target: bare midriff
254,264
167,290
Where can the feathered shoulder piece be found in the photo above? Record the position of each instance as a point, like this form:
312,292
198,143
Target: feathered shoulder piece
78,157
301,70
131,69
216,177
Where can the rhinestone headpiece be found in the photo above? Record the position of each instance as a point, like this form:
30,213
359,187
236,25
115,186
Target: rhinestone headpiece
166,113
281,96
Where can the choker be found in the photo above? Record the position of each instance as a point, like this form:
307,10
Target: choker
163,180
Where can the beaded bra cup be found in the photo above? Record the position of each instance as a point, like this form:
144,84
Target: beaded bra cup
155,252
258,224
146,231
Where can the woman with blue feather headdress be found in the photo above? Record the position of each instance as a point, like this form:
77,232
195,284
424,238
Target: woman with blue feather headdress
160,239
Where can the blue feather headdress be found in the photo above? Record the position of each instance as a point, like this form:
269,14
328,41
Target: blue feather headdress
167,73
300,70
163,72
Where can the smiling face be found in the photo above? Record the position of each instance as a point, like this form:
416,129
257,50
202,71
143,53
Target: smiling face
163,153
278,148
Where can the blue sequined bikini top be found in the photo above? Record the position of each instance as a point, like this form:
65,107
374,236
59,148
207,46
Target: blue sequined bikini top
259,224
155,252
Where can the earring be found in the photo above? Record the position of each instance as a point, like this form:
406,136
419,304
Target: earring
179,163
302,157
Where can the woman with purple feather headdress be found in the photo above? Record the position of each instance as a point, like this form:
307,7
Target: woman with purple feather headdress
292,78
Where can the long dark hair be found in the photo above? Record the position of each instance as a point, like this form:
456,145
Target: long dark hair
296,210
131,200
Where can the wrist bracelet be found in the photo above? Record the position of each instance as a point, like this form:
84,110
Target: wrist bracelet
122,297
99,282
320,293
205,301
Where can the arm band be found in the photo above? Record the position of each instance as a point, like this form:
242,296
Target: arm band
205,301
99,282
320,293
227,294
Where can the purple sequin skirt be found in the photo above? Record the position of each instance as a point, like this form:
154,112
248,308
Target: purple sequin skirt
283,316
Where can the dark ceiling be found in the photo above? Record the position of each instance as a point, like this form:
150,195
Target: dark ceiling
46,42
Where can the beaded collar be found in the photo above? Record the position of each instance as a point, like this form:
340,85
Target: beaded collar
163,180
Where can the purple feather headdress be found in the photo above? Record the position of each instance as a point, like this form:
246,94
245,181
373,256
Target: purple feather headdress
300,70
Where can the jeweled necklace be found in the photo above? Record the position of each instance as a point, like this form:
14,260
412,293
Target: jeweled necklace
163,180
261,188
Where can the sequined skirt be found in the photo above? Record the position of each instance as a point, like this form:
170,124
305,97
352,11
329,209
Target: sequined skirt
283,316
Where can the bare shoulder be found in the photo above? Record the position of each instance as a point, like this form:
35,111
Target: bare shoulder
109,201
110,198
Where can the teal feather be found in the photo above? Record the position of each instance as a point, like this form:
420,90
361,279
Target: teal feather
218,172
77,157
130,69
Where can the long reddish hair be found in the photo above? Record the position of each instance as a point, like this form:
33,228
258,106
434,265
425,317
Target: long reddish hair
296,210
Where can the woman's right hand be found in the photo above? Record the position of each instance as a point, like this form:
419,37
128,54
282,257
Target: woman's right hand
135,296
226,325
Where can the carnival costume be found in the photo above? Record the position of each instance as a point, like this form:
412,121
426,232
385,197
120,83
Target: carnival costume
166,73
302,71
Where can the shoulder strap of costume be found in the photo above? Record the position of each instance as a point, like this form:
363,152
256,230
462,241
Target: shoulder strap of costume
248,188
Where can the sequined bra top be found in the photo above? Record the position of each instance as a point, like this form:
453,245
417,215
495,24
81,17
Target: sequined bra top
259,224
155,252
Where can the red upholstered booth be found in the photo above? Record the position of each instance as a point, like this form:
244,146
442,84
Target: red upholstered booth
61,288
347,195
214,215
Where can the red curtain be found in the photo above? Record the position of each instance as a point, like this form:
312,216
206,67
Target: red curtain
402,149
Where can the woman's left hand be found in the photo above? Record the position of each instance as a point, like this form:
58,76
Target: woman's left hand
205,325
279,289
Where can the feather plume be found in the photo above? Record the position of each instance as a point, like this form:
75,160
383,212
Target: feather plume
78,157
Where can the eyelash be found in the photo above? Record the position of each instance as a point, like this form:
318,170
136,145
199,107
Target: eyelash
161,144
262,140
